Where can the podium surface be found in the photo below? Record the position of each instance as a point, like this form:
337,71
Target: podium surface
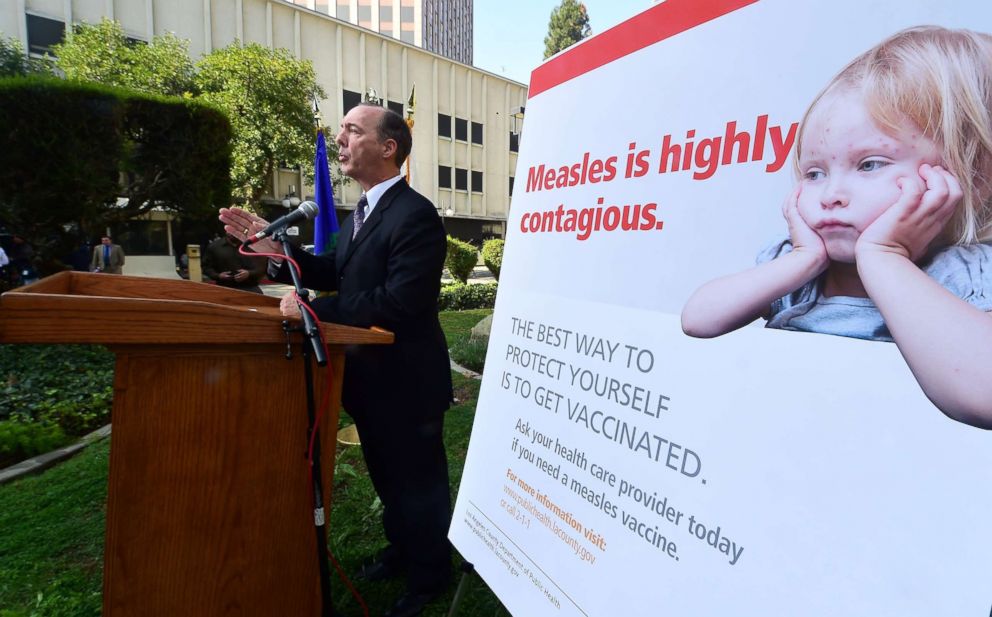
208,508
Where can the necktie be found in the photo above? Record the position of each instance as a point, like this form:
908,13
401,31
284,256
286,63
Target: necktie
359,215
106,256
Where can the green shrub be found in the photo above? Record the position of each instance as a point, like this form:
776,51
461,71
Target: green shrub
67,385
461,297
461,259
19,440
79,415
492,255
471,353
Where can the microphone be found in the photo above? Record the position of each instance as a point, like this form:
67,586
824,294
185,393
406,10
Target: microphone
306,211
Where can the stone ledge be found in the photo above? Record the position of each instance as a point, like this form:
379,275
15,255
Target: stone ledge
464,371
42,462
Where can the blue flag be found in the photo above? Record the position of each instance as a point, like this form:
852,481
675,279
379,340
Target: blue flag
325,229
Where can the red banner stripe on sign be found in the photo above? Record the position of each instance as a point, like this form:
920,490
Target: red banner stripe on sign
656,24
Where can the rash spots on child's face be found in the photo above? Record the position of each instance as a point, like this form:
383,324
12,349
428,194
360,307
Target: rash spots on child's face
849,168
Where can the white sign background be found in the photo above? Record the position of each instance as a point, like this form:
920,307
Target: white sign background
840,489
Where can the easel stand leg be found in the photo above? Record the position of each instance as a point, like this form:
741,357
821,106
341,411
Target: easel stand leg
467,570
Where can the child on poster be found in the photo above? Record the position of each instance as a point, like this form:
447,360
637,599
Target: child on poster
889,222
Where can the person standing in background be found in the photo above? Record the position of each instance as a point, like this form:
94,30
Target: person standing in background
107,257
224,265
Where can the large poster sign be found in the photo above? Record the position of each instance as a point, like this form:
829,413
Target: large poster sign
644,444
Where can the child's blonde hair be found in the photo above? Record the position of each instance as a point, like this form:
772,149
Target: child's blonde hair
941,80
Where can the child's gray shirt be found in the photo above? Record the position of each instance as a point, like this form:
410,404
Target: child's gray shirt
965,271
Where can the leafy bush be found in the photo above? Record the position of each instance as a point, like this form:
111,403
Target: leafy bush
461,259
67,385
15,63
460,297
471,353
492,255
19,440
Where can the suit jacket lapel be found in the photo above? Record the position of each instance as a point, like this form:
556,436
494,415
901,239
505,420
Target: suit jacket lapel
372,221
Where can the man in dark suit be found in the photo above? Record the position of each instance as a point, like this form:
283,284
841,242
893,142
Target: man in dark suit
387,272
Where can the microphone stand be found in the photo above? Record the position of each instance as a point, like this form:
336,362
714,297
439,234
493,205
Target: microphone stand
316,349
310,328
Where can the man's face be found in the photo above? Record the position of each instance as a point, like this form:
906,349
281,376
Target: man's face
360,153
850,167
105,241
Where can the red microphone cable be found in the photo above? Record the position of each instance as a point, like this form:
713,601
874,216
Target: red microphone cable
321,410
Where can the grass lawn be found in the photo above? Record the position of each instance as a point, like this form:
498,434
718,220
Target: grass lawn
51,544
458,325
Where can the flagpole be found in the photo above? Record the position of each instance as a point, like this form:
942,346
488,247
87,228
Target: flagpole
411,105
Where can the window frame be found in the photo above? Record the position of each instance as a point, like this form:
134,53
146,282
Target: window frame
345,93
29,16
444,179
461,179
447,126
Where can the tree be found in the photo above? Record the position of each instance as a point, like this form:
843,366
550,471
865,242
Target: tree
103,53
15,63
569,24
266,93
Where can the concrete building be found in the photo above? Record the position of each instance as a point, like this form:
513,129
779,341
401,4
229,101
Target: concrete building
441,26
467,120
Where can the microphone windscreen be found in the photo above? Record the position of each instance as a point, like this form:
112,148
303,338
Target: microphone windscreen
310,209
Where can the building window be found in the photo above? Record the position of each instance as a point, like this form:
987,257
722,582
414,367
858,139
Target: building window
476,133
407,36
386,13
511,186
444,125
406,14
394,106
514,142
350,100
443,177
476,181
43,33
343,11
461,179
364,15
461,129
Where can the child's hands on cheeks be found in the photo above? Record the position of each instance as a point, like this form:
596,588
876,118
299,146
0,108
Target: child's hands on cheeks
919,215
804,239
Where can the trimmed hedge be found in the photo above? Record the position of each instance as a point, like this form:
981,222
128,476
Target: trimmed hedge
68,144
461,259
461,297
492,255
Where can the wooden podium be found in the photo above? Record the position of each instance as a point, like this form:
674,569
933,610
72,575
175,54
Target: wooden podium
208,509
